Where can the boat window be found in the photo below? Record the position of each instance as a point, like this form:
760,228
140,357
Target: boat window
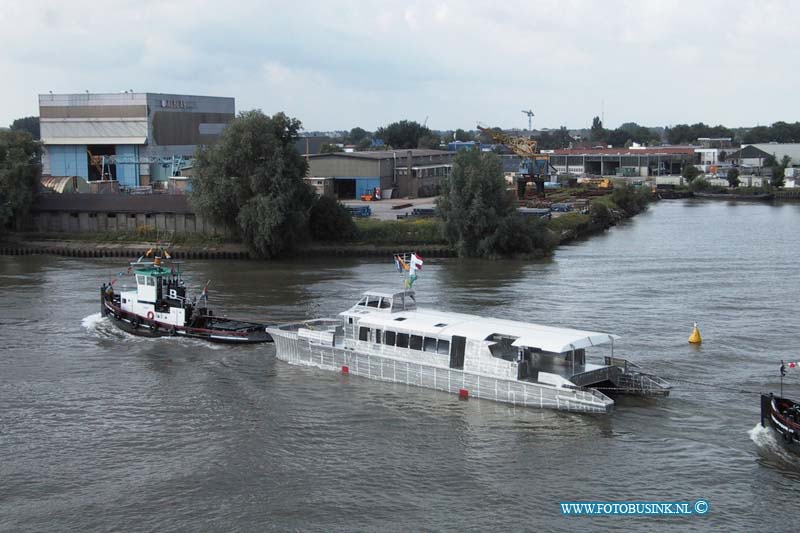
402,340
140,279
386,303
429,345
443,347
373,301
439,325
378,336
400,318
151,281
124,301
363,333
416,342
503,350
362,301
350,320
388,339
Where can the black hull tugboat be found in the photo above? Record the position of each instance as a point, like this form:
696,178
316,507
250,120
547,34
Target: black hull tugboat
159,308
783,415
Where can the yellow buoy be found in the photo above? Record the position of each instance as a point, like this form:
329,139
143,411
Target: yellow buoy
695,338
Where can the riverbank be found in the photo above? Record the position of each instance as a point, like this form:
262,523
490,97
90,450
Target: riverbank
375,238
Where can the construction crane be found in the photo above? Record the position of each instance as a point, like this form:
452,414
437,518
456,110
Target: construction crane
534,168
530,117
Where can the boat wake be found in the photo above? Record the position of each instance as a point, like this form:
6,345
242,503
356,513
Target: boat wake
90,322
101,327
765,439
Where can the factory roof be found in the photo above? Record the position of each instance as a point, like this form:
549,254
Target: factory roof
626,151
384,154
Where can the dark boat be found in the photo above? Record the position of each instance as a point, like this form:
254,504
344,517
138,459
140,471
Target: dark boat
159,307
783,415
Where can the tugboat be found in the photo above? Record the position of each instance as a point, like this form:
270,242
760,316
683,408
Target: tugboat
159,307
783,415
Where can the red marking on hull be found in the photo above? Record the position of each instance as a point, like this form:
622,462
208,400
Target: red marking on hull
463,394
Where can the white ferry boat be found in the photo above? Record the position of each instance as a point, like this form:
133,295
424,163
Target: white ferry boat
384,336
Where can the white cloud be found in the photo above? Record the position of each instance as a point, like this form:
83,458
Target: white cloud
336,65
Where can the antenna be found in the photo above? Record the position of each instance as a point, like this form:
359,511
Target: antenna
530,117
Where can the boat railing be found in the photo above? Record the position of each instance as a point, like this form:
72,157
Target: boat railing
641,384
622,363
589,391
320,324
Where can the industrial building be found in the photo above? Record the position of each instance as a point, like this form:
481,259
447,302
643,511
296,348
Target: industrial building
132,139
398,173
779,151
629,162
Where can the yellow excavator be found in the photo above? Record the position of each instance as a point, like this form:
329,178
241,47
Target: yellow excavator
534,167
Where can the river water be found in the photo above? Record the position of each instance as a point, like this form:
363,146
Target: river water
103,431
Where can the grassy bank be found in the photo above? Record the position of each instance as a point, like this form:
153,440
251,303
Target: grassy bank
408,231
372,237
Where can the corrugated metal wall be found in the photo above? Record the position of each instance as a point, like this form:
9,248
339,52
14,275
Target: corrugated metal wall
68,160
366,186
127,173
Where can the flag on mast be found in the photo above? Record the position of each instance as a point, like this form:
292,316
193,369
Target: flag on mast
408,264
416,261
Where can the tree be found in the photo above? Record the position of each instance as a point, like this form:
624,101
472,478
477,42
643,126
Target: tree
699,184
733,177
473,201
601,214
364,144
462,135
429,141
29,124
629,199
779,171
330,148
330,221
553,140
20,172
404,134
357,134
690,172
251,182
618,137
598,132
480,219
759,134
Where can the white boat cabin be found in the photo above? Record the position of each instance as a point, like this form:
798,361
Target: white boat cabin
390,324
160,295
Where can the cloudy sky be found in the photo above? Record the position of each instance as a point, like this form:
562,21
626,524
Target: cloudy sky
335,65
